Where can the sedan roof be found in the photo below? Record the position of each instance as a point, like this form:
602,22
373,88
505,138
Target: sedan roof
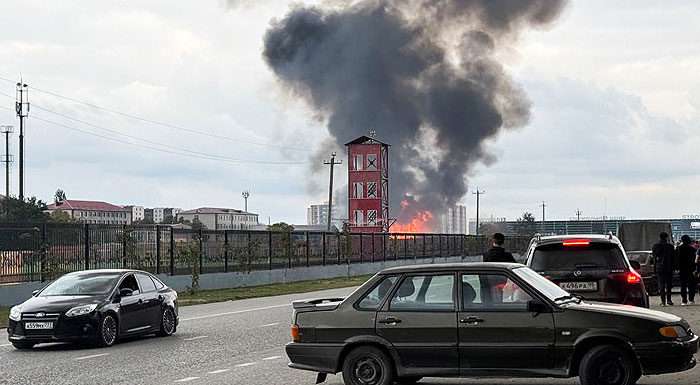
439,267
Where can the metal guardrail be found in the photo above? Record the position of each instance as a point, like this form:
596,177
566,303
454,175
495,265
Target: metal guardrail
39,252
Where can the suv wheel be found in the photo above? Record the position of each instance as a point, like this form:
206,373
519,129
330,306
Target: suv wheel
367,365
608,365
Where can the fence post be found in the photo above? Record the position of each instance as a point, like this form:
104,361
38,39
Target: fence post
415,249
248,252
289,249
405,247
323,248
384,247
158,249
423,254
306,237
124,246
172,251
87,246
225,251
42,257
361,248
201,250
372,248
269,249
337,247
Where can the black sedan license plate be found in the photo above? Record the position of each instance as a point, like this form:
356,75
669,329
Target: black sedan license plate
38,325
579,286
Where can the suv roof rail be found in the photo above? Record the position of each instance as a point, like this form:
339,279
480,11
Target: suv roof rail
537,237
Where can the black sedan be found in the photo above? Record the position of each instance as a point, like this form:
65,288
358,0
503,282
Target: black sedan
98,306
482,320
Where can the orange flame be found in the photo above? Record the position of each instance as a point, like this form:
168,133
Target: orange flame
420,223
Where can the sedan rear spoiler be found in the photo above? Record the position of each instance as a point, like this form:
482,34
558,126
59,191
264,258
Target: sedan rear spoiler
311,303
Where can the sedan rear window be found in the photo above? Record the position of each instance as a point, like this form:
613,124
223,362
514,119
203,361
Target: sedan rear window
592,256
375,297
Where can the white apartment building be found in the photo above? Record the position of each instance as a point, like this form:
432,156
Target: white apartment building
454,220
93,212
221,218
318,215
137,213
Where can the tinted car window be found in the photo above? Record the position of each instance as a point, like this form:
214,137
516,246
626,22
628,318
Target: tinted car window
425,293
158,283
146,283
82,284
493,292
593,256
130,283
375,297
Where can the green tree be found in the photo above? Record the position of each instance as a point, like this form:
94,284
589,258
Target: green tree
59,196
281,227
526,225
189,253
60,216
197,225
32,210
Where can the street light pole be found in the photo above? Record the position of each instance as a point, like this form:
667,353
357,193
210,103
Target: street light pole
478,194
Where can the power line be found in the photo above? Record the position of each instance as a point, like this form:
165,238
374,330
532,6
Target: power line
205,156
163,124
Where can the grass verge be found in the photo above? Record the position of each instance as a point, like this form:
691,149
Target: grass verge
221,295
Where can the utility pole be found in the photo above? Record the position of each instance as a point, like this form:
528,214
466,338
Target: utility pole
7,159
578,214
245,196
22,109
478,194
332,163
544,206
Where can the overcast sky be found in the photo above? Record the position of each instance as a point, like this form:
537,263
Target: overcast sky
614,128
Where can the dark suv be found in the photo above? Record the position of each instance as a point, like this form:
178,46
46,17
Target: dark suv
482,320
592,266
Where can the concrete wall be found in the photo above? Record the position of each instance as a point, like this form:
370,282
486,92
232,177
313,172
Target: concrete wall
16,293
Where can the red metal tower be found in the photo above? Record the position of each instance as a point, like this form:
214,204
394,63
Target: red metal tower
368,185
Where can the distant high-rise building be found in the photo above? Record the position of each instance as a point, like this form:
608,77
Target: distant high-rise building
454,220
318,215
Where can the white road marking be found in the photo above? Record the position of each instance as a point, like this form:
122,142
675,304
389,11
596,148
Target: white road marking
3,345
92,356
272,358
245,365
187,379
233,312
194,338
219,371
268,325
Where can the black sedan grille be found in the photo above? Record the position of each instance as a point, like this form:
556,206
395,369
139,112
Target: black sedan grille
40,316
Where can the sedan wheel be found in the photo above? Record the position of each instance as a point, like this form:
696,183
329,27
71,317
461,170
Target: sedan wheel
608,365
367,366
107,334
167,323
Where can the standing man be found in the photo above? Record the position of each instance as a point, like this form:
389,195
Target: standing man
497,253
664,254
687,267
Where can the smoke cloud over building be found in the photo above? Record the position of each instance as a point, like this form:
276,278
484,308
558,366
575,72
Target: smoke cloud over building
423,74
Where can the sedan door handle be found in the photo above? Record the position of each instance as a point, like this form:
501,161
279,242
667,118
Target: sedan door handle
471,320
390,321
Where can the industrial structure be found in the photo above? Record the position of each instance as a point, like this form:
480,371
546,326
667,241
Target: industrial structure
368,185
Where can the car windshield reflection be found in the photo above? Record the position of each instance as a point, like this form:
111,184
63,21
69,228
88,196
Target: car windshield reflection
84,284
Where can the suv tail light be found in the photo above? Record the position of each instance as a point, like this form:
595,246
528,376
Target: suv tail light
576,243
630,277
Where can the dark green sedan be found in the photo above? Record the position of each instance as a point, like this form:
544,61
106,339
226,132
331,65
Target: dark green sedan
482,320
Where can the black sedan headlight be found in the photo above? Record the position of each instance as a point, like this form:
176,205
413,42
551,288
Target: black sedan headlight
16,313
81,310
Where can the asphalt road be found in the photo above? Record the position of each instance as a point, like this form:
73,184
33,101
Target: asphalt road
239,342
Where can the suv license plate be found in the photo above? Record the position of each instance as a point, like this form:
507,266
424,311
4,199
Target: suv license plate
579,286
38,325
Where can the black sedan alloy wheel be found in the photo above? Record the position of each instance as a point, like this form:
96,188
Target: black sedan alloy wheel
167,323
108,331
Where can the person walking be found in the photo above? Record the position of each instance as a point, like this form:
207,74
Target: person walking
498,253
664,254
687,267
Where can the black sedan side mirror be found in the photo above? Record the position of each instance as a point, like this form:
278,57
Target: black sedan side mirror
537,307
636,265
126,292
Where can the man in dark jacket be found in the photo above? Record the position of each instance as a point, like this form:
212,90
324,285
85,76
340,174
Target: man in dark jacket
497,253
664,254
686,265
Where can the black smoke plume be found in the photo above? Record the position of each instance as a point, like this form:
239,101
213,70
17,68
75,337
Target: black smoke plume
422,73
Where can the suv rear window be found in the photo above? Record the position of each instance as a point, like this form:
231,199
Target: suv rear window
593,256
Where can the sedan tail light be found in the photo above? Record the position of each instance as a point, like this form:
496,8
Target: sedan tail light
296,336
630,277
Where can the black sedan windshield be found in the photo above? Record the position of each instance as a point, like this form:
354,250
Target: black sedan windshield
82,284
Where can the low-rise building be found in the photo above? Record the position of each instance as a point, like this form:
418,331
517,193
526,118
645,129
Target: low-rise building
137,213
93,212
221,218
